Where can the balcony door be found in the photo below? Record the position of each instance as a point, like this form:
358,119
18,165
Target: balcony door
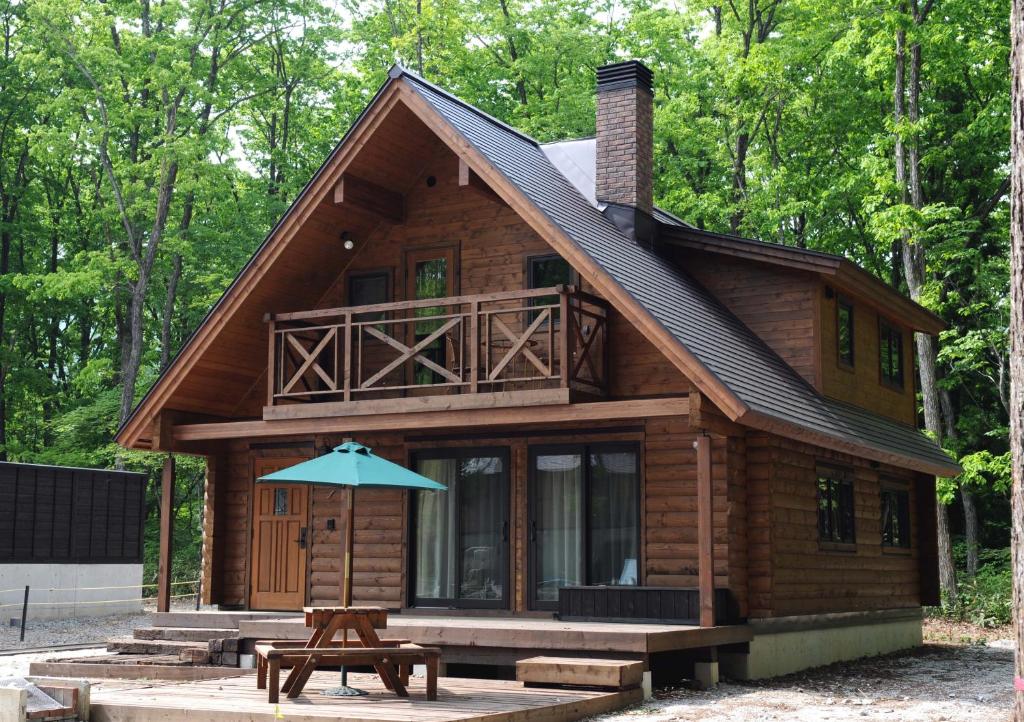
584,526
460,536
430,273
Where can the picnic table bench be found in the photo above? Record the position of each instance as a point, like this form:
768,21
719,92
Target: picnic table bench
392,659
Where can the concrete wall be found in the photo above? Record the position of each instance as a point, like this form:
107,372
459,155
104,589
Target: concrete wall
61,591
784,645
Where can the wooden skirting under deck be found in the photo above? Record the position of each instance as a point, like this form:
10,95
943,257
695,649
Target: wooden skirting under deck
238,700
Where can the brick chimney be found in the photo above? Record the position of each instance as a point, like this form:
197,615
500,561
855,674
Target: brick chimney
625,148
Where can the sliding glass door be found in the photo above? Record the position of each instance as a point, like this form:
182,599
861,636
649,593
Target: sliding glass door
460,536
584,524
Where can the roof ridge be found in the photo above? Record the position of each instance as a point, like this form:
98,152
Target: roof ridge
398,71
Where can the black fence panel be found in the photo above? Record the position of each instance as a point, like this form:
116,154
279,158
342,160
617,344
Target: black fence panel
54,514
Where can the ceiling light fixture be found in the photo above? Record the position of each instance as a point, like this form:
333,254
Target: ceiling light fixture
346,240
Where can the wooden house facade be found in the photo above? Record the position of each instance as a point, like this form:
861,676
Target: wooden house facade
636,419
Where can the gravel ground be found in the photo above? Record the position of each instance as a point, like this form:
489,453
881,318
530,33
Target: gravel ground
82,630
940,682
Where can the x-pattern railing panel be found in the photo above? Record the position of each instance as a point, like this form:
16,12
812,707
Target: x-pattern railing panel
499,341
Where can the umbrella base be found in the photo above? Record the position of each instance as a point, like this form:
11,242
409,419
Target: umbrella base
344,691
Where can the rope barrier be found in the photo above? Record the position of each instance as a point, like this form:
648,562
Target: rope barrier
19,590
92,601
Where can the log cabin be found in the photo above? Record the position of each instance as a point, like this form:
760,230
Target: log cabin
696,444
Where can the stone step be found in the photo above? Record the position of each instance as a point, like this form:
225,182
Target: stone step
184,634
578,672
213,619
128,645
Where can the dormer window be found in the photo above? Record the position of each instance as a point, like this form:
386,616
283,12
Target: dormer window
545,272
844,332
890,354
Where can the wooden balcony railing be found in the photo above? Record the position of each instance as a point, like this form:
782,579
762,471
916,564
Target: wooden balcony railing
547,338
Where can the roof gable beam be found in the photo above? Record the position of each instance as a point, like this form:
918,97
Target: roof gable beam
365,195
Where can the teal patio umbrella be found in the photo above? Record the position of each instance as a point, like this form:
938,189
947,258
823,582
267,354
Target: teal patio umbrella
351,465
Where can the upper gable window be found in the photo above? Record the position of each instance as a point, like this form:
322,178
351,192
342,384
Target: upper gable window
365,289
844,331
890,354
545,272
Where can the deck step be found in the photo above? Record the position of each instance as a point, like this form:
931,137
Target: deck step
184,634
213,619
578,672
129,645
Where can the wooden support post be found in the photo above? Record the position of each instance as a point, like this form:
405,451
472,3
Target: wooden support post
163,595
474,346
271,365
347,365
705,532
564,358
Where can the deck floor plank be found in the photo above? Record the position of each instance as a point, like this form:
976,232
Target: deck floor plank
238,700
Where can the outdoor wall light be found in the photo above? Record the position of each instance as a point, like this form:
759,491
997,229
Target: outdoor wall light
346,241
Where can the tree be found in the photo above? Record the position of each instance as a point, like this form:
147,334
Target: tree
1017,342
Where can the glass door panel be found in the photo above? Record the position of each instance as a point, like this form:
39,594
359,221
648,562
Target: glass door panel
614,518
434,531
460,536
430,273
556,528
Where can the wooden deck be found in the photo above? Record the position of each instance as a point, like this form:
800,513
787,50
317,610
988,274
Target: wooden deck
504,640
238,700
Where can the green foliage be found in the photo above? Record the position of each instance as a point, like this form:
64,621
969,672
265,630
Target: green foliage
986,599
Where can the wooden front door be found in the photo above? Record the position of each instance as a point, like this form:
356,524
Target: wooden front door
280,540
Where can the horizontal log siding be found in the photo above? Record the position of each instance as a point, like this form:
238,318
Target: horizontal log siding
779,305
862,385
668,510
807,577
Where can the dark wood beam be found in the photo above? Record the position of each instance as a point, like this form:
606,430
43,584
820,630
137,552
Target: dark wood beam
439,419
368,196
705,532
163,594
469,179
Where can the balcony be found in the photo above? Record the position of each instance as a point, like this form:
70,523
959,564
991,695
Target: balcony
514,348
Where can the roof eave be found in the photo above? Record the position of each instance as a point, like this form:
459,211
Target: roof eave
765,422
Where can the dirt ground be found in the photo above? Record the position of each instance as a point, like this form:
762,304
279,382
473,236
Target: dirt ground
962,674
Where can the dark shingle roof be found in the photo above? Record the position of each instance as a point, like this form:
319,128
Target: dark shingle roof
736,357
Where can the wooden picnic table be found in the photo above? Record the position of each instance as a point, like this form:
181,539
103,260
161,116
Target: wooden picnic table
392,659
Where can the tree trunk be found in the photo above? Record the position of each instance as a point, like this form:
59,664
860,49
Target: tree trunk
1017,342
970,529
168,318
906,106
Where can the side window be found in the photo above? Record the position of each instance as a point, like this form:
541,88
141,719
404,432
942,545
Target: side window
544,272
835,506
895,517
365,289
890,354
844,332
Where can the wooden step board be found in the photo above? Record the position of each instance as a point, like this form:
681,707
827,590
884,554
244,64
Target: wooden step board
129,645
184,634
577,672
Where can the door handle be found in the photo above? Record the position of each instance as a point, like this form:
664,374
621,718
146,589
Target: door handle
303,533
504,532
533,531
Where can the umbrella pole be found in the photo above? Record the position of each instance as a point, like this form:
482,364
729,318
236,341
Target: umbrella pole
346,590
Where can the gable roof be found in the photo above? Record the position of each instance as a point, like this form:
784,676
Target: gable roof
728,363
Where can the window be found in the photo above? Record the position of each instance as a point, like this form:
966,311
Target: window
895,517
844,331
460,536
835,506
365,289
545,272
584,518
890,356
